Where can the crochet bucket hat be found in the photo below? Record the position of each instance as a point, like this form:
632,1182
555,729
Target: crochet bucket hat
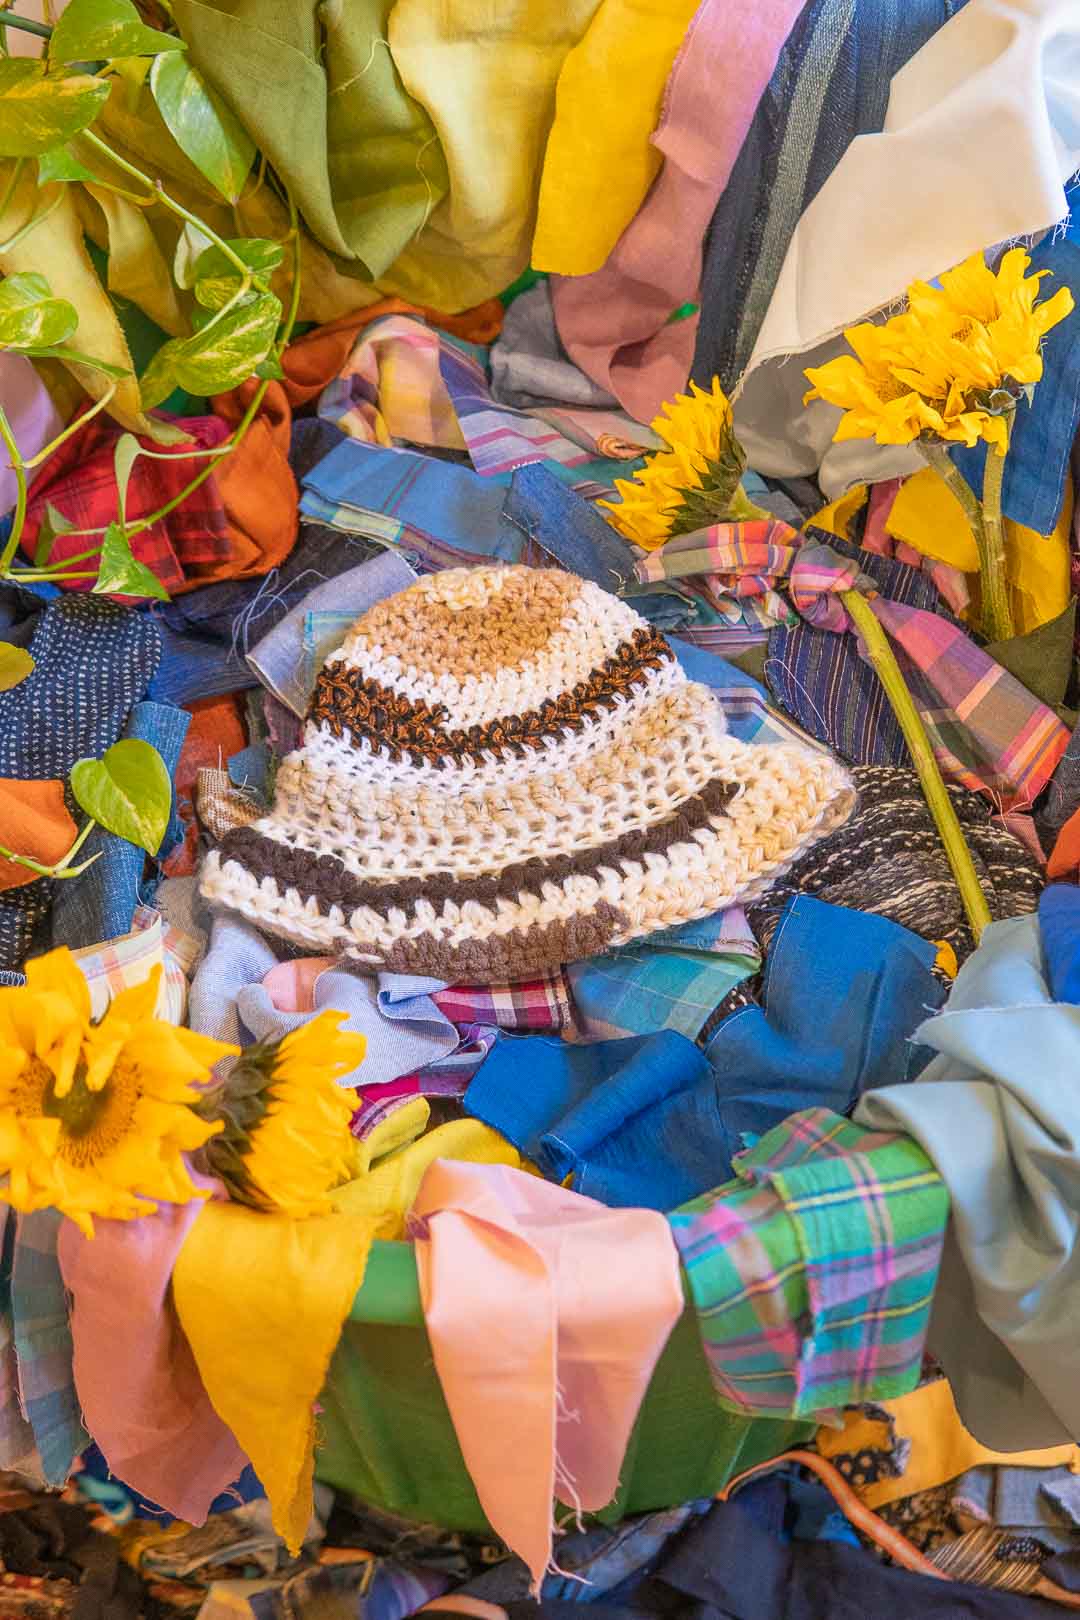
504,769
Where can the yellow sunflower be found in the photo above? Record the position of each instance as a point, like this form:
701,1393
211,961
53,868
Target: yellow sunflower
285,1142
953,365
694,482
95,1118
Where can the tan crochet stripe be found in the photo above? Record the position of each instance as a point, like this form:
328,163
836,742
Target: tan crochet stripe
503,631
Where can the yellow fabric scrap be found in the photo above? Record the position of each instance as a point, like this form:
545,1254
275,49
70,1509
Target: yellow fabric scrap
836,517
262,1298
600,161
941,1448
927,516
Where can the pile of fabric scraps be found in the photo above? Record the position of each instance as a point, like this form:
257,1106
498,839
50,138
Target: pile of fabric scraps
575,1101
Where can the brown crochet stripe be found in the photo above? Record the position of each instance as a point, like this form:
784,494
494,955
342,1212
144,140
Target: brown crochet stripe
347,701
332,884
515,955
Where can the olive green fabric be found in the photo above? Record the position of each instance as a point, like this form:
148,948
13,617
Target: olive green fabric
1041,660
316,88
387,1436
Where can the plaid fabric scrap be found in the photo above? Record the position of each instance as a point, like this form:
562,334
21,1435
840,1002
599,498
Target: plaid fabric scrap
813,1272
544,1003
406,381
43,1345
79,479
987,731
673,980
120,963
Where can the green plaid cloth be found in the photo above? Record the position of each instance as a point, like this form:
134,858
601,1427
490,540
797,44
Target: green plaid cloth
812,1273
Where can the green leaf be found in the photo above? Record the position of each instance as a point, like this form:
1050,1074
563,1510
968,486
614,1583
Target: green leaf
120,573
30,317
75,357
124,458
95,30
217,357
269,370
52,524
203,127
216,279
61,165
190,246
128,792
15,665
38,113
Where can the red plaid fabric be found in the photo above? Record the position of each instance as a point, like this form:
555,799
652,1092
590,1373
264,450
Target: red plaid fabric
530,1004
79,481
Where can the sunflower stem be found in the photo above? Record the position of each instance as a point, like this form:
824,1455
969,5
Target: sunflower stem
984,519
935,792
996,613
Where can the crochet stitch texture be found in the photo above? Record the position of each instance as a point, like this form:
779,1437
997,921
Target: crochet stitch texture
505,769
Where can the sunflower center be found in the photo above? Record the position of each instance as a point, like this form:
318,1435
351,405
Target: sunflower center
93,1123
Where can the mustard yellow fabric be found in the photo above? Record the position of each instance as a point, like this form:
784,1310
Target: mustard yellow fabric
486,75
599,161
927,516
262,1299
941,1448
388,1193
836,517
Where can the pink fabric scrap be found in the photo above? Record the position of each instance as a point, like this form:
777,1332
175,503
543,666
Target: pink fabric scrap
547,1313
142,1398
614,322
291,985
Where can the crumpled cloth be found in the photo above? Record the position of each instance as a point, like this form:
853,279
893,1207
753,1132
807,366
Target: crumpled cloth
996,91
615,322
987,731
239,524
547,1314
135,1375
997,1114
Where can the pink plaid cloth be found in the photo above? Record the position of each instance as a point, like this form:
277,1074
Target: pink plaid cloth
987,731
530,1004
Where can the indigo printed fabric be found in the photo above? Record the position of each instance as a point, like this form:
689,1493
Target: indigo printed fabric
813,1272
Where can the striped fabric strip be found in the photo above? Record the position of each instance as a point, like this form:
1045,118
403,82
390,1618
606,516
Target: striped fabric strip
987,731
404,381
813,1272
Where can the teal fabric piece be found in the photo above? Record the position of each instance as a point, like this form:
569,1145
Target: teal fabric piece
998,1111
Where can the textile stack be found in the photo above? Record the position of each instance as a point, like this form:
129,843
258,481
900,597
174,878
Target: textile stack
539,809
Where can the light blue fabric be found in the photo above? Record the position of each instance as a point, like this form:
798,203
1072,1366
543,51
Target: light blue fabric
43,1345
998,1111
744,701
653,1122
278,659
404,1028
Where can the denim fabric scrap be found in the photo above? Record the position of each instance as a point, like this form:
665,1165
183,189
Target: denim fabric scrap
102,903
652,1121
93,663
